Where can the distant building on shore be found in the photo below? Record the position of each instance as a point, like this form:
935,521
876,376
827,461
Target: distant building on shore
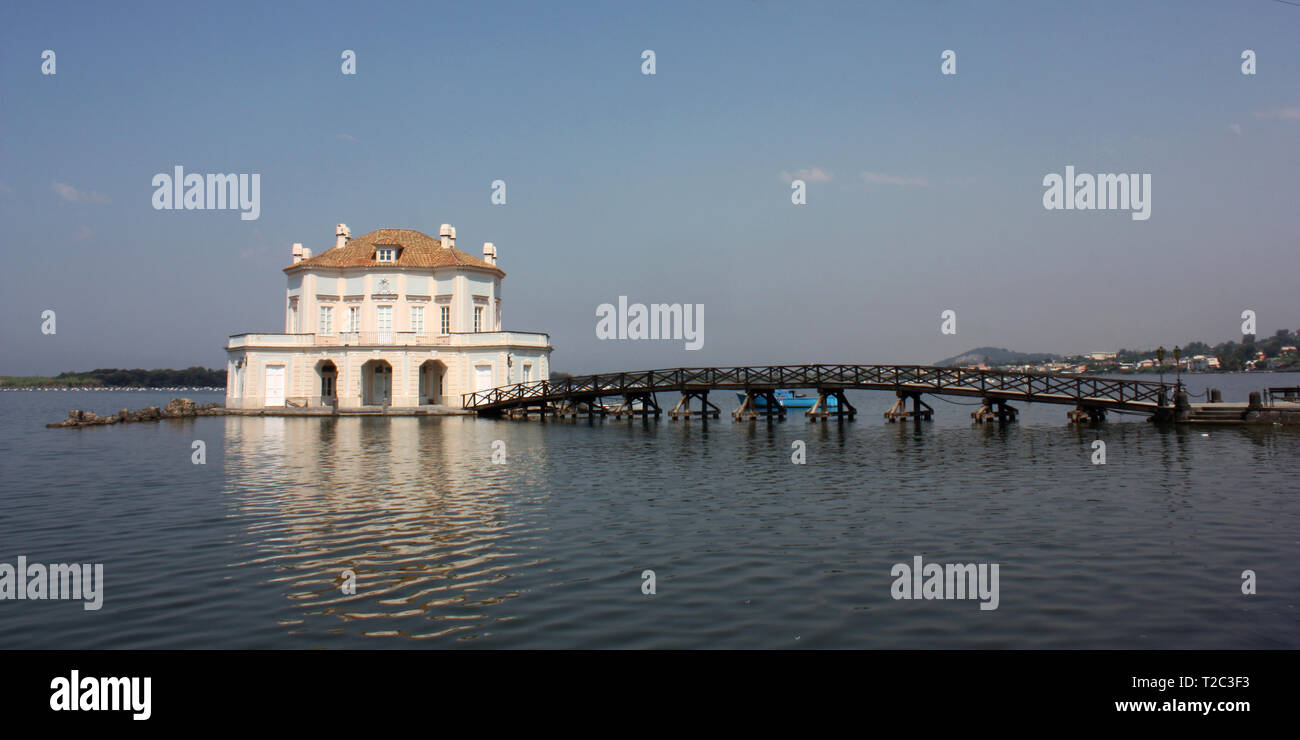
391,318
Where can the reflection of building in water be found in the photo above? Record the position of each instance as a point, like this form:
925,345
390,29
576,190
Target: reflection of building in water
412,505
392,318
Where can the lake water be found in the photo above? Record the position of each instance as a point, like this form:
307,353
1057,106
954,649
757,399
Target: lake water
748,549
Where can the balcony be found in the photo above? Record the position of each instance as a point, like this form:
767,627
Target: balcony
240,341
498,338
390,339
382,339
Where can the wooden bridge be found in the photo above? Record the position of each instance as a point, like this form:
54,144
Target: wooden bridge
634,392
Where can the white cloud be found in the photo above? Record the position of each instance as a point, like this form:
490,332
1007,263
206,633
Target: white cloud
808,174
1291,114
72,195
258,247
84,233
1235,128
346,137
876,178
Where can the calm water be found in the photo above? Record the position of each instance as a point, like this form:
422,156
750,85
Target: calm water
749,550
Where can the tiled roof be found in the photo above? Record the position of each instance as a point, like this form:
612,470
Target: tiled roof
417,250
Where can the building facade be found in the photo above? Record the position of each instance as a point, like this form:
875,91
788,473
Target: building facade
390,319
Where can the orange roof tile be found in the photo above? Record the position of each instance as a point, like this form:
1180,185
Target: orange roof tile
417,250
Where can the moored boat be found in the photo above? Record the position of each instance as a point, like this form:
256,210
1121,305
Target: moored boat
791,400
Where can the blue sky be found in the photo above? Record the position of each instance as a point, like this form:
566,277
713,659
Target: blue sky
666,188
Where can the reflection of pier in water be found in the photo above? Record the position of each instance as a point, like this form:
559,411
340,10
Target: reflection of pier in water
407,504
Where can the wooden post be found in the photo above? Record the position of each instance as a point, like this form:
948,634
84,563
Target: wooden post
815,412
677,410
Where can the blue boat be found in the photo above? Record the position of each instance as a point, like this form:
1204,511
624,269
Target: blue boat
791,400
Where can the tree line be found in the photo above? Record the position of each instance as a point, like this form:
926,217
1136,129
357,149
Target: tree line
136,378
1232,355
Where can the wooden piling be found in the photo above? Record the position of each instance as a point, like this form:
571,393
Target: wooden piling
683,408
899,410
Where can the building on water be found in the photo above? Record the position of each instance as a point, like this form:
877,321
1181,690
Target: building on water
392,319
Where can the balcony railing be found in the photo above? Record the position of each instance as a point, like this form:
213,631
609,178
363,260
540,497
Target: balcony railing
384,339
391,339
491,338
271,340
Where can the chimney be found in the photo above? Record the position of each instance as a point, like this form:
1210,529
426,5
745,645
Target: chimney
448,236
297,253
490,253
341,234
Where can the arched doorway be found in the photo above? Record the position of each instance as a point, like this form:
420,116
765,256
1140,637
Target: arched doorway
377,383
327,374
432,378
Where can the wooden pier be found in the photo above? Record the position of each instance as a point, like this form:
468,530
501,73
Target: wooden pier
633,393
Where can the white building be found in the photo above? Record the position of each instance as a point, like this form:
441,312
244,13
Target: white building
389,319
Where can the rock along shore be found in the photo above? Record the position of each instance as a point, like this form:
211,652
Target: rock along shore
177,408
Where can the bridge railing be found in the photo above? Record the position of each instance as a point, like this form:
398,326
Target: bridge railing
920,378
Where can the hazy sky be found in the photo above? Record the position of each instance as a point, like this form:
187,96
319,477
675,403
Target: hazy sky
925,191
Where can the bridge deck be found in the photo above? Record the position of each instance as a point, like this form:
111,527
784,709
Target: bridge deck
1078,390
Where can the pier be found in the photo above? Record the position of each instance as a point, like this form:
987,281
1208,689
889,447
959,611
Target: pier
626,394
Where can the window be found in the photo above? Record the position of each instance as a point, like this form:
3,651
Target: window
386,254
326,327
446,318
417,319
384,321
354,318
528,373
478,318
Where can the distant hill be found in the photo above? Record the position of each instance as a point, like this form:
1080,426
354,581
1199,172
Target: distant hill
998,356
